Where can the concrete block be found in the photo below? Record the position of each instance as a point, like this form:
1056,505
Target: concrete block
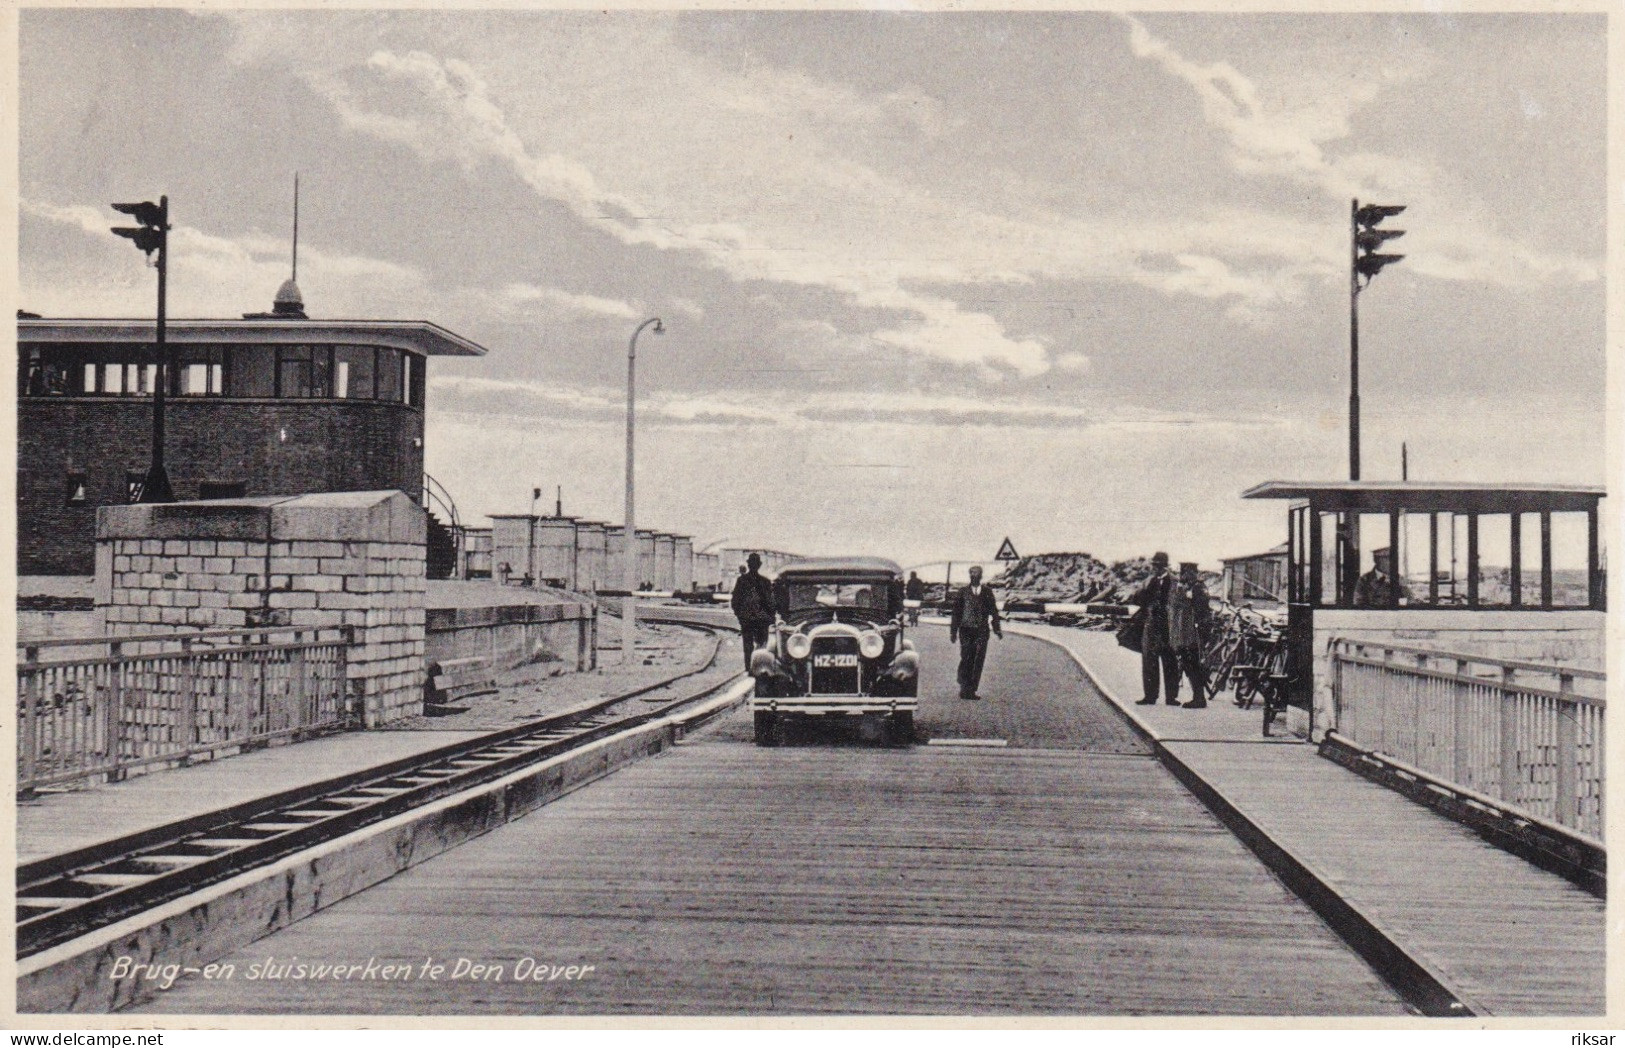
187,599
319,583
174,547
213,600
218,565
151,547
163,599
244,600
247,565
204,547
231,548
291,599
189,565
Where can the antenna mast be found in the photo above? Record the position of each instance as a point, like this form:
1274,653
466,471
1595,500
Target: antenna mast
296,226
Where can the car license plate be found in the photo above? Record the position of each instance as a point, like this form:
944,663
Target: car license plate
826,661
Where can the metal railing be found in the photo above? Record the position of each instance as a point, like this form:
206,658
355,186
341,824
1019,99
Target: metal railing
171,697
1529,735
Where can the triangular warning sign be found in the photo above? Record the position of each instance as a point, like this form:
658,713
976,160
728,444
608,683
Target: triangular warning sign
1007,551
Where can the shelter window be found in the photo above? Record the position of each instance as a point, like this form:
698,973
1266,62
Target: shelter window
304,372
76,487
353,371
390,372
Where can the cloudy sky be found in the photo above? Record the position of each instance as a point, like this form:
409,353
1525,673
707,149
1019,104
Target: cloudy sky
929,279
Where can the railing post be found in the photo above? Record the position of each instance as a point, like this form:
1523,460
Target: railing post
1418,692
1461,725
1567,799
594,645
30,726
1509,737
188,682
295,709
115,712
1336,656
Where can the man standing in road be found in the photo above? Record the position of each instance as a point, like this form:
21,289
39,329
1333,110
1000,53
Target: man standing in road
914,590
972,613
1156,650
753,606
1187,626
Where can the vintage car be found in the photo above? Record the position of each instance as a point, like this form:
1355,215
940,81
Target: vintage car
837,648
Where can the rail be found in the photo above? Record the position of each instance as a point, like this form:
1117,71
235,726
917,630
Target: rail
1529,735
158,698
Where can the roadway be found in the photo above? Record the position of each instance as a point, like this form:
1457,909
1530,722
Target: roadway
1063,872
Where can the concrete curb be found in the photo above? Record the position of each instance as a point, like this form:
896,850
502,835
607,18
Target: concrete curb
1410,974
78,976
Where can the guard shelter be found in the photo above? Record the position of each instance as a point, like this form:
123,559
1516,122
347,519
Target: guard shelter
1514,571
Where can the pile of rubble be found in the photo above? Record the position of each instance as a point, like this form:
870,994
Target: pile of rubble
1078,578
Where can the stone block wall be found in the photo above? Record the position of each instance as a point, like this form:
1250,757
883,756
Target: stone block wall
345,559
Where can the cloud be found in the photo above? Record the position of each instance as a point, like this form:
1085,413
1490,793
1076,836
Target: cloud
463,124
529,401
1272,138
568,304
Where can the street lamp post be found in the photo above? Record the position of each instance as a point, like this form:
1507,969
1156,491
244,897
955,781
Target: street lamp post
629,614
152,235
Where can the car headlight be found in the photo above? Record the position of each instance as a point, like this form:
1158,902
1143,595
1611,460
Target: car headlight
798,646
871,645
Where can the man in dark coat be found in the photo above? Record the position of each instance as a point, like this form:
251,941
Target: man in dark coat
1188,616
1156,647
973,612
914,590
752,604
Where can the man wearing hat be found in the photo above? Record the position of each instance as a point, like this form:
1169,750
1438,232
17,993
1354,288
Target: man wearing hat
1156,649
752,604
1378,588
1187,625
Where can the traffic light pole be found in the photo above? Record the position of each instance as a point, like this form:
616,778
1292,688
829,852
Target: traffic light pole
1354,342
156,487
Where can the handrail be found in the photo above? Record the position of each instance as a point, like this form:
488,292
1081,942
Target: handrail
434,491
176,635
1487,660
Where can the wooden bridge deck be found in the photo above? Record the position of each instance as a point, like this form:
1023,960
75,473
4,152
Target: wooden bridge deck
723,879
1515,939
1065,873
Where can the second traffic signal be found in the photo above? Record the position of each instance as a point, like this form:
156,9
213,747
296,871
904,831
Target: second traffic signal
1368,239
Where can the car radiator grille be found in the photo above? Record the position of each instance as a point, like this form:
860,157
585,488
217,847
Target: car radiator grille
834,666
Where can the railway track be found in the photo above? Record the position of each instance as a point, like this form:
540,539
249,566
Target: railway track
64,896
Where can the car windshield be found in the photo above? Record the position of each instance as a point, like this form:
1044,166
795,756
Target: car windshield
804,595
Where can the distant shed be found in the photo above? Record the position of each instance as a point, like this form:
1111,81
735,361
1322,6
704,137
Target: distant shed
1257,577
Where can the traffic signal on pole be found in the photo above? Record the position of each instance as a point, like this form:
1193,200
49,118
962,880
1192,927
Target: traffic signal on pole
149,235
1368,239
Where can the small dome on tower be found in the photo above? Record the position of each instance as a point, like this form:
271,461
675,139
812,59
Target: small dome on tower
288,300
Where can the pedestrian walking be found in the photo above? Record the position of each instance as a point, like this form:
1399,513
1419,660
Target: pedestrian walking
1188,617
914,590
973,614
1157,656
752,605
